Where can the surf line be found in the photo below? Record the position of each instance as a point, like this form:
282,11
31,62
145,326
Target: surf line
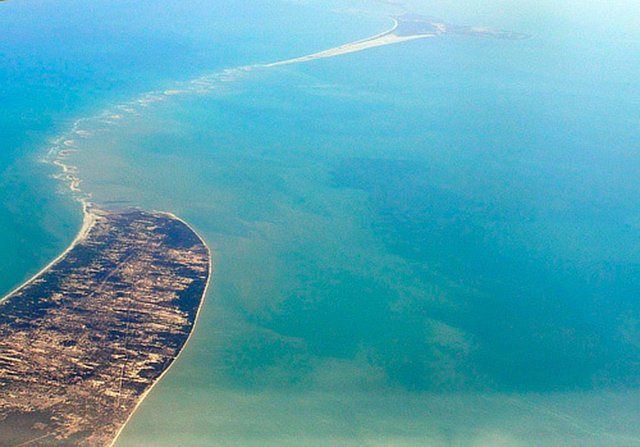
66,144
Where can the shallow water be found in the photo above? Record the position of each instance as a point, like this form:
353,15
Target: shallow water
430,243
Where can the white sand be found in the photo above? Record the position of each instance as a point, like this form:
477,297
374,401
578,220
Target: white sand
89,219
387,39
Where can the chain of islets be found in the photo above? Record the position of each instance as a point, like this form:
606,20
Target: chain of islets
78,135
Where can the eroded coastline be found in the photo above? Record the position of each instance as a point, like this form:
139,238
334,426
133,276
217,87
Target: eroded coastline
82,342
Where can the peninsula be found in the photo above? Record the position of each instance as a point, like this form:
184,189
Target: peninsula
405,27
84,341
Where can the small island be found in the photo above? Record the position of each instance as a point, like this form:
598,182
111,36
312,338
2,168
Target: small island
405,27
83,341
408,25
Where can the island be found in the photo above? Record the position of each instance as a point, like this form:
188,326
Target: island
83,341
415,25
405,27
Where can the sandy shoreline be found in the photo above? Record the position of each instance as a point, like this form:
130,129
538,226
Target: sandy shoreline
91,215
193,329
384,38
387,39
88,220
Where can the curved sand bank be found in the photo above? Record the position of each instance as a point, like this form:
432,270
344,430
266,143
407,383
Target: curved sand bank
88,220
385,38
388,39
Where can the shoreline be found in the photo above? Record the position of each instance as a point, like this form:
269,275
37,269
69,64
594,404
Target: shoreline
351,47
89,218
186,343
91,233
69,174
91,215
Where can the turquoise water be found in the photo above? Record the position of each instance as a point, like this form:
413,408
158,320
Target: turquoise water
69,60
424,244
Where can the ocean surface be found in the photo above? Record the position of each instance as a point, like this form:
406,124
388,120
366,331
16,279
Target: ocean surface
430,243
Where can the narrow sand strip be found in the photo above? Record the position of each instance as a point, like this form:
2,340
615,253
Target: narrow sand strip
89,219
386,39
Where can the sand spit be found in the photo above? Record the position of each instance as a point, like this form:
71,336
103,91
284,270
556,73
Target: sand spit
388,39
